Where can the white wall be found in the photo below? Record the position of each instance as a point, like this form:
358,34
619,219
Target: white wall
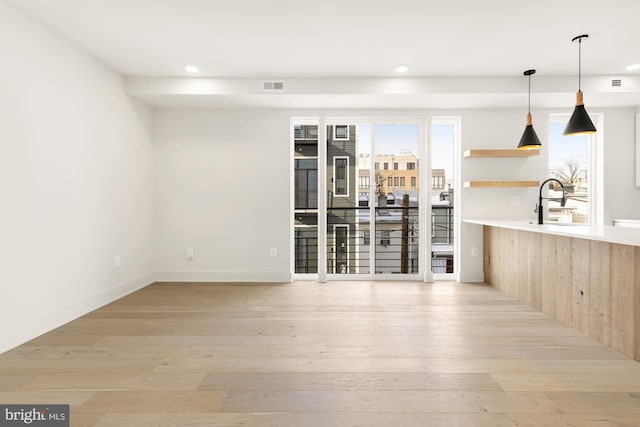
621,196
231,167
76,182
223,189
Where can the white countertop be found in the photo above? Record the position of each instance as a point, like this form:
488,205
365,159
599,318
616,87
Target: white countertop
603,233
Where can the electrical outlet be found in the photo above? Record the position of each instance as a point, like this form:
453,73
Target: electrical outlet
515,201
117,262
474,251
189,254
273,252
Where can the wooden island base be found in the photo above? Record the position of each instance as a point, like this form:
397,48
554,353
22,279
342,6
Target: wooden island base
590,285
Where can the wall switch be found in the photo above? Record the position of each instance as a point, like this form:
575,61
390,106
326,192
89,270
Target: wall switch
117,262
189,254
515,201
273,251
474,251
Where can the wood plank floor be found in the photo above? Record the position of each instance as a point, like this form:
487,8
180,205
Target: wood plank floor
336,354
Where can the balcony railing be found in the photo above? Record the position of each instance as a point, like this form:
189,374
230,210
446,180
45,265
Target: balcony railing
442,224
396,241
442,239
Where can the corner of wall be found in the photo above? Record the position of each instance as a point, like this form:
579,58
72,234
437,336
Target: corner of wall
57,317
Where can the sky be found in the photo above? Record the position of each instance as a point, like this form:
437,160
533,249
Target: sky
390,138
442,145
397,138
563,148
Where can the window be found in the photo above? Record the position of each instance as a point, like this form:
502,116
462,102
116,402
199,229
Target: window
384,238
305,132
411,166
341,132
413,182
341,176
306,184
306,250
572,162
354,221
445,139
437,182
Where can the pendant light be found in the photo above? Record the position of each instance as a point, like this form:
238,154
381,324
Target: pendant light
529,140
579,123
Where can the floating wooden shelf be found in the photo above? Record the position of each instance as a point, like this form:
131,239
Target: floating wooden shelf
474,184
486,154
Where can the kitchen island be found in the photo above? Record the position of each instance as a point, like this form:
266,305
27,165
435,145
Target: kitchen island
587,277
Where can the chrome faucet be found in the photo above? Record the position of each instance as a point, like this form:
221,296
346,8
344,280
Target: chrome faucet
539,208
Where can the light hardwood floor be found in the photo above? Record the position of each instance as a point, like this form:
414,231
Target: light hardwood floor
338,354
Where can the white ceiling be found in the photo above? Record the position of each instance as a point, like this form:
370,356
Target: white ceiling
348,38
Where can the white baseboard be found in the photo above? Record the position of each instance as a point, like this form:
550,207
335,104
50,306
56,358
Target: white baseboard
223,276
46,322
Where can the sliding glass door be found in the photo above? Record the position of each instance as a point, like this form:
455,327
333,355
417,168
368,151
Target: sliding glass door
396,198
347,249
443,159
368,224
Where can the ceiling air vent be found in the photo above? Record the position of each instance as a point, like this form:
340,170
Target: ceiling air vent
616,83
272,86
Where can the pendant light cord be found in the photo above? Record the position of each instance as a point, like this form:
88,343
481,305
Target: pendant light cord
579,63
579,38
528,73
529,93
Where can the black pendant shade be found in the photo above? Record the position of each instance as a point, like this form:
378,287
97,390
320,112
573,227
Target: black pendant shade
579,123
529,140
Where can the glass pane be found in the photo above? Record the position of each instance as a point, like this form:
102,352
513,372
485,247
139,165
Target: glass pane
396,227
442,184
301,189
348,185
312,185
307,164
306,250
306,198
568,163
342,132
340,179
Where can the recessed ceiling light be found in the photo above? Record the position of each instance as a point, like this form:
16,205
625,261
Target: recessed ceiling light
633,67
191,69
402,69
